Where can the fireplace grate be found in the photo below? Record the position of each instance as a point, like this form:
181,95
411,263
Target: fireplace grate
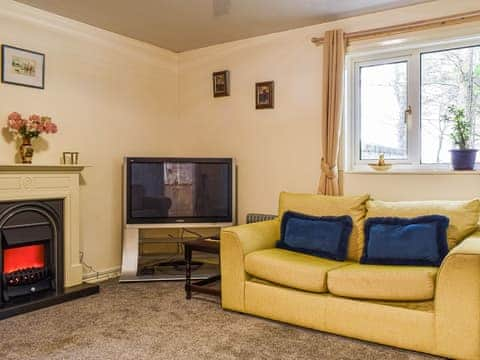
26,276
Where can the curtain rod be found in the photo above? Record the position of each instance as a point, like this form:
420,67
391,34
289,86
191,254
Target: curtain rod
408,27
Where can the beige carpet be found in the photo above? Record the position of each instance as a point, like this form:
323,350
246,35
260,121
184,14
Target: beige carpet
154,321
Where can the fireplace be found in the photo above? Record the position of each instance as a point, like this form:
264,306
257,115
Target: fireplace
40,237
31,249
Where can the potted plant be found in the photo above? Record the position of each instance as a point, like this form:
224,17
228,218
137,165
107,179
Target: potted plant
28,129
463,158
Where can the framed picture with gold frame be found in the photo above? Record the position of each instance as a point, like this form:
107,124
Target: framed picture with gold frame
23,67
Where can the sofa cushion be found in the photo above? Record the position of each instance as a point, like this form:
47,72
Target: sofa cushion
383,282
322,205
463,215
291,269
323,236
403,241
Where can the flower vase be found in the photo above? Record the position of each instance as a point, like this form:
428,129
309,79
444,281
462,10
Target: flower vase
26,150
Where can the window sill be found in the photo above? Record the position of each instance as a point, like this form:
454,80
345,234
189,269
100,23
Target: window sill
412,171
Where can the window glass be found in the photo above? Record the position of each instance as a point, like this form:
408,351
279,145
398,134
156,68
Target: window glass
383,100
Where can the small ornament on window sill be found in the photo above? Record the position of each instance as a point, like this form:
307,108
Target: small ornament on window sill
380,165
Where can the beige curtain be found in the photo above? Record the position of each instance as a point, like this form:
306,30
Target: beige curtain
333,61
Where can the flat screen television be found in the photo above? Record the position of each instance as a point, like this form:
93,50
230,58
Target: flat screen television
179,191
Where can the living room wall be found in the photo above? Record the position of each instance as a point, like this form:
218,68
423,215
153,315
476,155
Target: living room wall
279,149
111,96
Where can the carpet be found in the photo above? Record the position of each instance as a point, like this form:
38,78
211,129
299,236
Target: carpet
154,321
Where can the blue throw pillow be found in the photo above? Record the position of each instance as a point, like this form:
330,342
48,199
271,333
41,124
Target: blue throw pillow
400,241
325,236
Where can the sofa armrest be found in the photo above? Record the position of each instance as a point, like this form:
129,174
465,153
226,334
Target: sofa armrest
457,301
235,243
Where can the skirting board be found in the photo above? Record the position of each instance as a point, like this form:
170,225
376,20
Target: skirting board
94,277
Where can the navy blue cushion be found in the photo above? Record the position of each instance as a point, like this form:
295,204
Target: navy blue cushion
401,241
325,236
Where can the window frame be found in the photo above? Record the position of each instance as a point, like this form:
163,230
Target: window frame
413,56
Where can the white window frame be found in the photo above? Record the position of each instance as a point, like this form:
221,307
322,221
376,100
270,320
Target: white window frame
352,102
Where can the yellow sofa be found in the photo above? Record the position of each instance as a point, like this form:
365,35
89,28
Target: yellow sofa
427,309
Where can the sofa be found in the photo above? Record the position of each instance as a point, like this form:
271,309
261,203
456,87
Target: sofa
434,310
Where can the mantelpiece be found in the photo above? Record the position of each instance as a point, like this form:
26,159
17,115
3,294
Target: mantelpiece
41,167
47,181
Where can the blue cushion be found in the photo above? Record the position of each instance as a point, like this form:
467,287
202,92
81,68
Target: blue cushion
401,241
325,236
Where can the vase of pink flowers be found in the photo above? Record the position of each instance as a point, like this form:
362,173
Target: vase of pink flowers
28,129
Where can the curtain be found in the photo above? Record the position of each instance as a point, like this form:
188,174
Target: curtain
333,62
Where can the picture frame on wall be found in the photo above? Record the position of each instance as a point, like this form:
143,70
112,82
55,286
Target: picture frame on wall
221,83
264,95
23,67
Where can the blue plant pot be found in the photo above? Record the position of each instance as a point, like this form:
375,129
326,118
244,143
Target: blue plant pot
463,159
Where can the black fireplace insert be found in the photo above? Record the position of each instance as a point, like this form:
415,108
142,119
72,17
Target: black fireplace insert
31,249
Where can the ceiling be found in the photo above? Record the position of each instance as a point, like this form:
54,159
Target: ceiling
180,25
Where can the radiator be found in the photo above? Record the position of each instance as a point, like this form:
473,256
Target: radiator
253,218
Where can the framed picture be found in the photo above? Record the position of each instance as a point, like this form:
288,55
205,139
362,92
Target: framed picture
264,95
23,67
221,83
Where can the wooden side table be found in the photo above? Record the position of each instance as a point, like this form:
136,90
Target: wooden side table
206,246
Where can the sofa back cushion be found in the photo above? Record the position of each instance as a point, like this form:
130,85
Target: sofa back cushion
323,205
463,215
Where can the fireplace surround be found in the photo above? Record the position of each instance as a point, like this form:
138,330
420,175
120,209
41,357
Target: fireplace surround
39,237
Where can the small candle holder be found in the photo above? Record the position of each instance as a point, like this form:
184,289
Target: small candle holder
75,158
67,157
70,157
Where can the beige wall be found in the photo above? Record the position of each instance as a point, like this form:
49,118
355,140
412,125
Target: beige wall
275,149
113,96
110,96
414,186
279,149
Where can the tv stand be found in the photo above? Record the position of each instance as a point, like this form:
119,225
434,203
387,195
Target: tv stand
136,237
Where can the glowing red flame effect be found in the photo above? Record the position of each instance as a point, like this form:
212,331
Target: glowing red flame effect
32,256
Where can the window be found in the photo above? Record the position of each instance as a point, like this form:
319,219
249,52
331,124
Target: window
449,77
401,104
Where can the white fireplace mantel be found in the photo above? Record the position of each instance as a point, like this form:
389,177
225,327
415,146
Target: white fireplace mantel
40,182
41,167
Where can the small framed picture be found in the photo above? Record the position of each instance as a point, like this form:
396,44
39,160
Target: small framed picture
221,83
264,95
23,67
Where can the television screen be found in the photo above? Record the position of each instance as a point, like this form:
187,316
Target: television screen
178,190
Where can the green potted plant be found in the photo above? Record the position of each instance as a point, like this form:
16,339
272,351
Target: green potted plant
463,158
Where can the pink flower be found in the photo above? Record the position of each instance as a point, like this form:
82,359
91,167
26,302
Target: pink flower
14,125
14,116
34,118
15,121
48,126
31,127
